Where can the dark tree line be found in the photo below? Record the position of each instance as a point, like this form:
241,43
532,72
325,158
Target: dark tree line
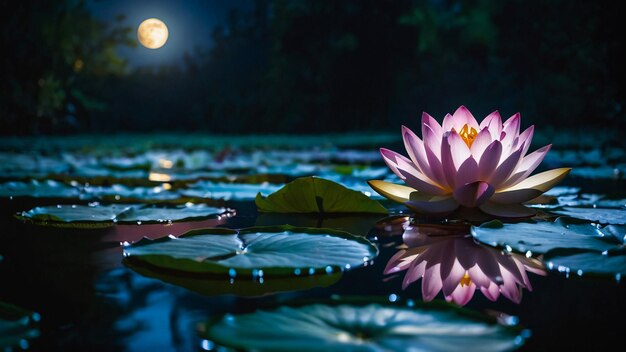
324,66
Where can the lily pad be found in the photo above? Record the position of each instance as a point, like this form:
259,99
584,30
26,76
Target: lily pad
38,189
351,327
118,192
17,326
586,263
229,191
599,215
245,287
541,237
358,224
567,244
96,215
317,195
255,251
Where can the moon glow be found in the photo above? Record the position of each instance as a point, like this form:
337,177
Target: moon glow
152,33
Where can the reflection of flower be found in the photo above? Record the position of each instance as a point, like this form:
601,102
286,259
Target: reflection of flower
457,266
465,163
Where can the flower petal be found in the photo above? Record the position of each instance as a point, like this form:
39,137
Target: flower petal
473,194
482,141
429,122
396,263
408,172
492,292
390,157
526,138
467,172
493,122
453,277
462,294
448,123
434,160
431,138
542,181
526,166
421,183
415,272
463,116
477,276
504,170
489,160
511,129
509,288
516,196
415,148
507,263
439,206
391,191
459,150
454,152
431,282
489,266
507,210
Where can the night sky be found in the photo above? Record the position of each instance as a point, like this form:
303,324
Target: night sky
190,26
281,66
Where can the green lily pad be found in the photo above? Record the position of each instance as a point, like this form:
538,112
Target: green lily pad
540,237
358,224
229,191
317,195
567,244
209,285
586,262
97,216
118,192
255,251
370,327
17,326
38,189
599,215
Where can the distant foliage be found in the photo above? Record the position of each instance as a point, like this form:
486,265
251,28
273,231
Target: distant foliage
324,66
57,55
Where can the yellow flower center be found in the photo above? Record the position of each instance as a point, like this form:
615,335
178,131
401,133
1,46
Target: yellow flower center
465,280
468,134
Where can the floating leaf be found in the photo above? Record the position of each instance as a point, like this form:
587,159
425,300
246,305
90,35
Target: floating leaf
229,191
599,215
38,189
17,326
567,244
96,215
245,287
562,191
255,251
586,263
317,195
358,224
540,237
600,172
371,327
119,192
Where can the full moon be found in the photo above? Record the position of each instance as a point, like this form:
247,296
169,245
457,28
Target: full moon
152,33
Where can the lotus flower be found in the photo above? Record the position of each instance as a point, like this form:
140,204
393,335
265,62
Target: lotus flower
464,163
458,266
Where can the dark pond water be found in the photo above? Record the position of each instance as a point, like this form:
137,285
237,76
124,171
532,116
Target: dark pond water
89,298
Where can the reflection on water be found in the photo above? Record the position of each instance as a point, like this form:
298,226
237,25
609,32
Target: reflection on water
214,285
447,259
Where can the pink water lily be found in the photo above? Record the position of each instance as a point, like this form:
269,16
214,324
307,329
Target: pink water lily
464,163
451,262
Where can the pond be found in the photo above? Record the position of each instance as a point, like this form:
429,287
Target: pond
92,257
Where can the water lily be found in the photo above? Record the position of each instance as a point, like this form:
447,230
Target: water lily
464,163
450,261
